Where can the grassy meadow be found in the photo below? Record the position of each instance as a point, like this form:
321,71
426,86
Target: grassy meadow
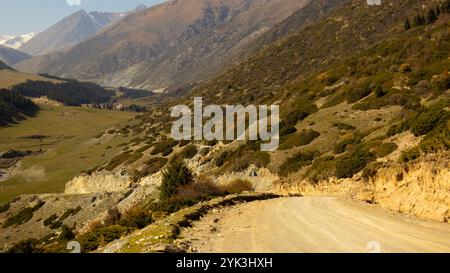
66,138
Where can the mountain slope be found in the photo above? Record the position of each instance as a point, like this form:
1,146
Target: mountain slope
3,65
348,30
170,43
69,32
11,56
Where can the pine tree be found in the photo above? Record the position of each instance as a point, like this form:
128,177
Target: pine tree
176,174
446,7
422,19
431,16
417,21
438,11
407,25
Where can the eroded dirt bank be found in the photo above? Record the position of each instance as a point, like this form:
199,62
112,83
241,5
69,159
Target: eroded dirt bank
420,188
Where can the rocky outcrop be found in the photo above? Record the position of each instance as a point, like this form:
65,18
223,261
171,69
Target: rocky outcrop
98,183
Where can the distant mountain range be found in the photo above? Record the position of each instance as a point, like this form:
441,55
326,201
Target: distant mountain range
72,30
168,45
15,41
12,56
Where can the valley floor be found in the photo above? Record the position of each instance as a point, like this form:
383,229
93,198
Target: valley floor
314,224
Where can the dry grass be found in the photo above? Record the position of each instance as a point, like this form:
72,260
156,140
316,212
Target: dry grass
10,78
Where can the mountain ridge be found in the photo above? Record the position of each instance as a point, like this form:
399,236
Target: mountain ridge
12,56
72,30
168,41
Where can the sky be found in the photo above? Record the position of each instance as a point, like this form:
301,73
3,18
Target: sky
25,16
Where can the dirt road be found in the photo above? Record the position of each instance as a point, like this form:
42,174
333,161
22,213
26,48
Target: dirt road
314,224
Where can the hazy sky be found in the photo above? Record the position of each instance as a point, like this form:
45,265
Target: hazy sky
24,16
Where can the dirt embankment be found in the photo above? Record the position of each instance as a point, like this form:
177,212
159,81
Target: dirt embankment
421,188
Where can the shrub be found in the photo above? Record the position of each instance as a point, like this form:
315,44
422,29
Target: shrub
136,217
134,157
260,159
66,234
296,162
70,212
371,170
164,147
113,216
321,169
426,121
26,246
385,149
345,144
394,97
101,236
56,225
211,143
438,139
397,129
50,219
202,187
237,186
175,175
409,155
305,137
167,151
117,160
222,158
239,162
183,143
4,207
379,92
189,151
353,162
204,151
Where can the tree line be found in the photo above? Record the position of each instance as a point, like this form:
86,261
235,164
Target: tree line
111,106
429,17
70,92
15,107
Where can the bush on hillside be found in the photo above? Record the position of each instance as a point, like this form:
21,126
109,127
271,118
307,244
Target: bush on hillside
293,164
351,163
302,138
136,217
189,151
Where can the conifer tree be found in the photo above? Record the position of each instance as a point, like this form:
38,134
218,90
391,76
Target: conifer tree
431,16
407,24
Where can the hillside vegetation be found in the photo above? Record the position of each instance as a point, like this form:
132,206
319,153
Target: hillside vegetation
14,107
380,76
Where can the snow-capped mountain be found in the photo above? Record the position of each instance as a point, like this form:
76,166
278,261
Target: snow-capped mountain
15,41
72,30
